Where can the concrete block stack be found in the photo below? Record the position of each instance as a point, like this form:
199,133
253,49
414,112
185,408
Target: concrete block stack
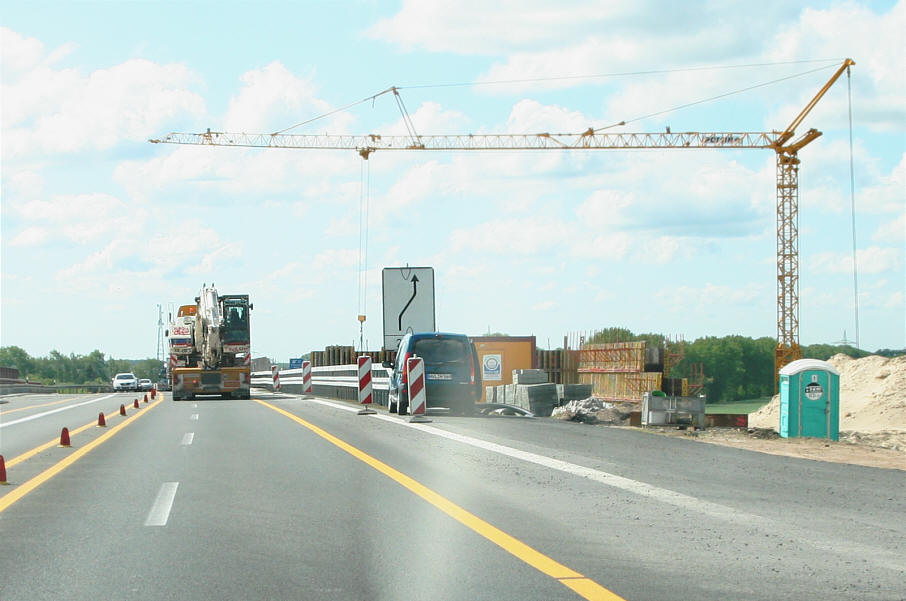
540,399
573,392
529,376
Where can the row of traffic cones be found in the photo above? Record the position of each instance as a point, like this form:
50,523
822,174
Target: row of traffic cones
64,434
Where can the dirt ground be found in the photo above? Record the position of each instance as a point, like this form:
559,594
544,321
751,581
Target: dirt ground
872,419
846,450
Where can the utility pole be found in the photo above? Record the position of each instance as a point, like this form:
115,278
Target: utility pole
160,333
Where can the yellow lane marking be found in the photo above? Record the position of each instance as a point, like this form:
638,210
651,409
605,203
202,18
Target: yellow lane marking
584,587
7,500
55,441
8,411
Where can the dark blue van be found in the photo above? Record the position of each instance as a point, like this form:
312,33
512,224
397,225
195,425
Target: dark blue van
452,373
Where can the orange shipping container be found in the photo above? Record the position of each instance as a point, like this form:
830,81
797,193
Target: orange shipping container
498,356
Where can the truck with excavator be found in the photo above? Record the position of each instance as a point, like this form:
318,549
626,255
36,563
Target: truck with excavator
210,346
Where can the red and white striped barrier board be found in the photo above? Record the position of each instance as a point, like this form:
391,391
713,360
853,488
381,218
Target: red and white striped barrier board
247,362
276,375
173,361
418,400
365,396
306,377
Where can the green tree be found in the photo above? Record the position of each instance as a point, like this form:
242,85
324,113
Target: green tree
14,356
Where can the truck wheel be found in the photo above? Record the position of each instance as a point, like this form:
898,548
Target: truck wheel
391,406
403,406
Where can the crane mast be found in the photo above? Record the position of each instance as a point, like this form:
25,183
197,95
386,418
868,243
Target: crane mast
787,194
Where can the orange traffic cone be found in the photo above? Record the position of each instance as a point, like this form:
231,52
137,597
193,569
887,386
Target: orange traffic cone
146,398
135,404
64,438
102,422
153,392
3,481
122,410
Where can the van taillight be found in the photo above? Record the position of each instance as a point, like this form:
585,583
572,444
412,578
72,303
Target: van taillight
471,368
405,376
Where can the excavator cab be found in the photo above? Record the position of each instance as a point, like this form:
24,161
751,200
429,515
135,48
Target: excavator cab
236,321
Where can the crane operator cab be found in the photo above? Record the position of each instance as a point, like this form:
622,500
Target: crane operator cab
236,323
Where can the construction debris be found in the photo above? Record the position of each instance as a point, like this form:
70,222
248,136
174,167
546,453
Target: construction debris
594,411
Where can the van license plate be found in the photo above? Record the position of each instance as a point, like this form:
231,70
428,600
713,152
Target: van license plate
440,376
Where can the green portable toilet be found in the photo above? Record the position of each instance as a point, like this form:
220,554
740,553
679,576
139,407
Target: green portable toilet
810,400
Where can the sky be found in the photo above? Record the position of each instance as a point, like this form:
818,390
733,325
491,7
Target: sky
100,227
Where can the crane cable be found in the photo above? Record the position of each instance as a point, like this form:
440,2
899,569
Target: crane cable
364,201
395,89
852,194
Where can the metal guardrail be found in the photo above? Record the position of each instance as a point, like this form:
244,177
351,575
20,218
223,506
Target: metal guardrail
36,388
332,381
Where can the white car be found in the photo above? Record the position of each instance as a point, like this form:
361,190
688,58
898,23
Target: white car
144,384
125,381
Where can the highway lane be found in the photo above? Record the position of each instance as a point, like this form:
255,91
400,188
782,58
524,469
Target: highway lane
29,420
264,508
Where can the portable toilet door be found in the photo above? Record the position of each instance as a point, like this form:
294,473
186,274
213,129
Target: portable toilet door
810,400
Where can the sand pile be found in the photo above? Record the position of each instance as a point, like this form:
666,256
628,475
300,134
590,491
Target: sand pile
872,400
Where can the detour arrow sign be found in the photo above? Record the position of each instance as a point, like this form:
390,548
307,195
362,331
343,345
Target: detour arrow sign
408,297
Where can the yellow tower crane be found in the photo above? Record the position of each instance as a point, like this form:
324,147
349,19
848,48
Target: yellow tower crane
787,349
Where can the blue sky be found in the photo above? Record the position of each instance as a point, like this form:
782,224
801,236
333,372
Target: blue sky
99,226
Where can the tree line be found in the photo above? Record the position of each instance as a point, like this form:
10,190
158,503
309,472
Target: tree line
93,368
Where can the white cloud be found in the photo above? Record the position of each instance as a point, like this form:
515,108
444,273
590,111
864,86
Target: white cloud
81,218
429,118
452,26
48,110
272,98
871,260
525,236
67,208
530,116
614,246
545,306
220,253
30,236
337,258
892,231
708,295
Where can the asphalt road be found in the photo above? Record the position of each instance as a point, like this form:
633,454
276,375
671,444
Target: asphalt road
285,498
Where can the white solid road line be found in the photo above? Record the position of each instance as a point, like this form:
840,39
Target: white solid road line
634,486
187,438
878,556
52,411
160,511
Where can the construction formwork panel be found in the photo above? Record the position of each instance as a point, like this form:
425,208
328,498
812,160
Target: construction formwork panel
614,357
622,386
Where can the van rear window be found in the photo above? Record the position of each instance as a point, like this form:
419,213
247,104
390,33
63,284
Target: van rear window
437,351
